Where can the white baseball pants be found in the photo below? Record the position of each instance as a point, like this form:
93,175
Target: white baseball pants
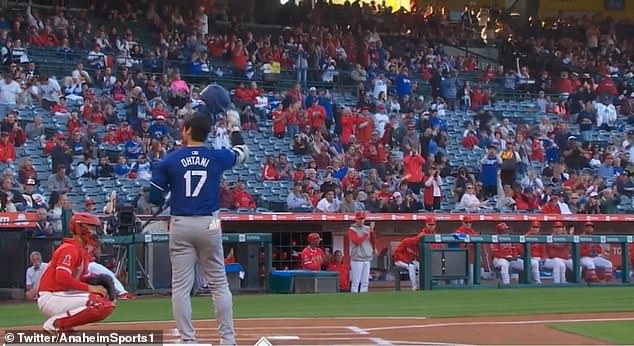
558,266
591,263
412,269
503,265
518,265
360,276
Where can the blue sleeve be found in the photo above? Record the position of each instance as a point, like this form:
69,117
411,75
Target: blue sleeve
160,177
226,158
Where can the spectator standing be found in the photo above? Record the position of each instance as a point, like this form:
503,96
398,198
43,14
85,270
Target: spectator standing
48,91
9,90
433,190
362,243
490,164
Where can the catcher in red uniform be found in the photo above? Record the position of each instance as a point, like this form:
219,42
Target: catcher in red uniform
313,257
65,293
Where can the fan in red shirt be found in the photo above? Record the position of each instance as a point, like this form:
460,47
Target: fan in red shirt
503,254
365,127
313,257
64,298
241,198
347,126
60,108
279,122
406,256
413,171
559,257
552,206
111,136
125,132
73,123
316,115
471,140
337,264
607,86
269,171
565,84
591,258
7,150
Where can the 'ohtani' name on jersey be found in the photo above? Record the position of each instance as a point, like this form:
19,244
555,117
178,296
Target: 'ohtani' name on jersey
194,161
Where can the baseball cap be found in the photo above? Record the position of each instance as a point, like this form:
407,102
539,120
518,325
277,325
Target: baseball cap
570,138
558,224
594,194
30,181
89,201
359,215
160,117
467,218
536,224
589,224
396,194
501,227
431,220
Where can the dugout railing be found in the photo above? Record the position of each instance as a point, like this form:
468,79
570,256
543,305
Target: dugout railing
451,261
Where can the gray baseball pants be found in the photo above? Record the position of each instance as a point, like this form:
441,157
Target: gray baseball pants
198,239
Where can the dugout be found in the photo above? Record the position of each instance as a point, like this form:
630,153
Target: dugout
143,264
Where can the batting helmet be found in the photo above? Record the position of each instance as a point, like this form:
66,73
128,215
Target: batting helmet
78,226
314,237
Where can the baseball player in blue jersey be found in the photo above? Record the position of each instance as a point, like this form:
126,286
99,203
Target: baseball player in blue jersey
192,176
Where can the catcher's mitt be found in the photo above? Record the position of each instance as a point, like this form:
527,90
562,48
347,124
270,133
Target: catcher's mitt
106,281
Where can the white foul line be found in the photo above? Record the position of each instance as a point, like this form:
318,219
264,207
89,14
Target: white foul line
358,331
493,323
380,342
279,319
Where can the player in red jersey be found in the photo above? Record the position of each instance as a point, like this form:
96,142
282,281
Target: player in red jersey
591,258
537,253
406,256
313,257
504,254
64,297
559,256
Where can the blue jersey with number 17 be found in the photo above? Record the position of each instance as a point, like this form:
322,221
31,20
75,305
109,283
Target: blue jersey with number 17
192,176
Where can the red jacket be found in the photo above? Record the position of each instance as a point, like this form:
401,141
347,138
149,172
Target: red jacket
561,250
407,250
425,231
317,116
503,250
66,268
7,152
590,249
607,86
344,274
279,122
537,249
243,199
551,208
312,259
470,141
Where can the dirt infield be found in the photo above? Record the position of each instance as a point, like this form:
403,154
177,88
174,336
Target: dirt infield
531,329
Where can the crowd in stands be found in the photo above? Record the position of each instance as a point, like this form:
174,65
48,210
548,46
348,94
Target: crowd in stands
386,151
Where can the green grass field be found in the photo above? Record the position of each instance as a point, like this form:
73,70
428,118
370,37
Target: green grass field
440,303
616,333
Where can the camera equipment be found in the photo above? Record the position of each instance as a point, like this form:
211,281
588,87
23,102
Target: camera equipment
125,220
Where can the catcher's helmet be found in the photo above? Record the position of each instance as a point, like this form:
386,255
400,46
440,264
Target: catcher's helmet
78,226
